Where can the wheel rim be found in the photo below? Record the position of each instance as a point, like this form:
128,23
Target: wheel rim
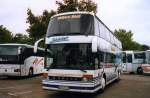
30,72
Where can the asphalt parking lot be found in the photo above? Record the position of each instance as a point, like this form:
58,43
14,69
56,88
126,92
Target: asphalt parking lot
130,86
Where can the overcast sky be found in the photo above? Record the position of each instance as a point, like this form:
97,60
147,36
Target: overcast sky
131,15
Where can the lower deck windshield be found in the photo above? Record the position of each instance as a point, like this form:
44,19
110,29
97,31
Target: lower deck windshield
72,56
8,54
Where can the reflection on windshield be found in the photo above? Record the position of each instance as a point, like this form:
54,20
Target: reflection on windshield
8,50
71,24
8,54
72,56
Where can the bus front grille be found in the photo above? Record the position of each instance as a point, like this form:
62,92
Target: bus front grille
65,78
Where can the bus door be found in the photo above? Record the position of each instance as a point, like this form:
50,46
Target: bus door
124,60
129,59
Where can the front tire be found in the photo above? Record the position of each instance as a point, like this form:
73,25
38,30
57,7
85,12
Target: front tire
140,71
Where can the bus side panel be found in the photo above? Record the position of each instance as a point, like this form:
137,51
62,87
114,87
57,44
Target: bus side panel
35,63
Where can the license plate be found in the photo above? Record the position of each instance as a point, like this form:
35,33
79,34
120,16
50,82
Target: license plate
63,87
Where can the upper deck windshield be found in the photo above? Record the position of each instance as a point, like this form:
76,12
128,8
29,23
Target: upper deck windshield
74,24
72,56
8,54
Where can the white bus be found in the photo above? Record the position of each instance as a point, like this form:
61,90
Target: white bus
132,61
84,53
20,60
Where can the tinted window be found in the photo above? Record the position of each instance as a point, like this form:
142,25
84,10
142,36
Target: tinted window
129,58
8,50
72,56
71,24
139,55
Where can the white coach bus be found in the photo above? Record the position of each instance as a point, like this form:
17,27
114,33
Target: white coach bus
85,53
20,60
132,61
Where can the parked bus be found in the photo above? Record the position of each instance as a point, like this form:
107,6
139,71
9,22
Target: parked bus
132,61
84,53
20,60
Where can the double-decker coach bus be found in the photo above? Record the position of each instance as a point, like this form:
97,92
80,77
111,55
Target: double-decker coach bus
20,60
84,53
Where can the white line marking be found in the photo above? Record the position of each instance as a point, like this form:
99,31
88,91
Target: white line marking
7,88
11,94
19,93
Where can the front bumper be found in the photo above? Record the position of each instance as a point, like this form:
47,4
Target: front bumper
72,86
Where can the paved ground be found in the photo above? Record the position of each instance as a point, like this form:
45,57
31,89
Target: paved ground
130,86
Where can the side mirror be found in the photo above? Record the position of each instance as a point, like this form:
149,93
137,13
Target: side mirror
36,44
94,45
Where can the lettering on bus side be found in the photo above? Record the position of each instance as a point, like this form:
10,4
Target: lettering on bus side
59,39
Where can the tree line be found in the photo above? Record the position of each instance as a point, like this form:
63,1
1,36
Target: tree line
38,25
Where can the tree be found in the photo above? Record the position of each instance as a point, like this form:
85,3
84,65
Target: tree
20,38
38,24
87,5
74,5
145,47
5,35
126,39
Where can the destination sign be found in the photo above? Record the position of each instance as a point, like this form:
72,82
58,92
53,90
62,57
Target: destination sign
69,17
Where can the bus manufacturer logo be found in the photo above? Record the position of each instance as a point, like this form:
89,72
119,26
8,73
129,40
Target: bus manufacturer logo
59,39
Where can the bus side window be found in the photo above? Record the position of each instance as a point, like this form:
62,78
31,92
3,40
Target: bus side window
129,58
101,59
124,57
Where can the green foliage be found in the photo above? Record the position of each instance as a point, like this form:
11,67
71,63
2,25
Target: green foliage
87,5
74,5
5,35
20,38
38,24
127,41
145,47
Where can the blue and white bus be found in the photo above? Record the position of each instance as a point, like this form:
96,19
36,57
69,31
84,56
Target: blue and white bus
85,53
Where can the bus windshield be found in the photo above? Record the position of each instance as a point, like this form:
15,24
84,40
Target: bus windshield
8,54
72,56
71,24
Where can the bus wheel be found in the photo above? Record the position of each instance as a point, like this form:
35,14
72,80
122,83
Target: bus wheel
139,70
103,83
30,72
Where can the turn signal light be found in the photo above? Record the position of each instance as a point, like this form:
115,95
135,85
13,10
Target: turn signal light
88,76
